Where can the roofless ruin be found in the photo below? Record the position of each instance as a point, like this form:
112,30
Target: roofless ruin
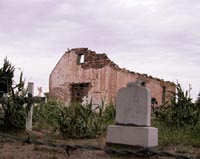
81,75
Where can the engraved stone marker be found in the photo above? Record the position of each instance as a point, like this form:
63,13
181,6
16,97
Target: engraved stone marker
133,113
133,106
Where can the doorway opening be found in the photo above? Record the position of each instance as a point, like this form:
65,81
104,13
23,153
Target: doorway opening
79,91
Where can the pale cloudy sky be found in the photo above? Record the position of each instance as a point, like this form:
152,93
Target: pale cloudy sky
157,37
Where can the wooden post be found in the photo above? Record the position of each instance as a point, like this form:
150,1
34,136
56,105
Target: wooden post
29,107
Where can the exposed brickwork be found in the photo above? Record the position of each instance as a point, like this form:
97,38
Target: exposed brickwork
94,60
105,77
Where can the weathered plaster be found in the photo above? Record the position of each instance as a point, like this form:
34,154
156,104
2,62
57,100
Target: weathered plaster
105,76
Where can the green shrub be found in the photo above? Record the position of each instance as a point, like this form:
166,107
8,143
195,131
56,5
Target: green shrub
73,121
12,99
13,114
178,121
180,111
45,115
81,121
109,115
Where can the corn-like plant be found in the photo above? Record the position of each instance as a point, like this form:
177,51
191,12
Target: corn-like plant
180,111
45,115
11,98
81,121
74,121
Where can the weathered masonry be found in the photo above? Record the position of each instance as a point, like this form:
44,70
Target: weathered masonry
82,75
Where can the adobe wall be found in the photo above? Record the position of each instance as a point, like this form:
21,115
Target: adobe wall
103,74
67,72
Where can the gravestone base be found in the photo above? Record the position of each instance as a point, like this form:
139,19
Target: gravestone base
132,135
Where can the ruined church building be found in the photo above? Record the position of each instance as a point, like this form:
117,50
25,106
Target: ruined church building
82,75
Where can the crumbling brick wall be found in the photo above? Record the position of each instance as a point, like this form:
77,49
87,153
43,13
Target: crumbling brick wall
105,77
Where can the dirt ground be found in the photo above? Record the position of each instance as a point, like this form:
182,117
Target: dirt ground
16,150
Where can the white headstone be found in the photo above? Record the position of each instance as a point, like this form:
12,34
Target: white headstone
133,110
133,105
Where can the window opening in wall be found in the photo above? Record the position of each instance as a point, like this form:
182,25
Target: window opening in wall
80,58
79,91
163,94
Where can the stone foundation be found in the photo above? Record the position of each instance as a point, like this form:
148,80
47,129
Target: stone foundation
129,135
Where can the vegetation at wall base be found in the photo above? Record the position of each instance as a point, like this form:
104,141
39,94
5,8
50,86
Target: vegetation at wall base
178,121
74,121
45,115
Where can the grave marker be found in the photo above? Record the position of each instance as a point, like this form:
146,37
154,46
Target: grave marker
29,107
133,115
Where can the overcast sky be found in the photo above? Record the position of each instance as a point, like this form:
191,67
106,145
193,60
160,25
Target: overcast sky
157,37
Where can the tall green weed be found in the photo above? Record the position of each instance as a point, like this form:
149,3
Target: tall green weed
74,121
178,121
180,111
45,115
81,121
12,98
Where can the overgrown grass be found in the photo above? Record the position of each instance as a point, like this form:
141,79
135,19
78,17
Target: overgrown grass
177,135
178,121
74,121
45,115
